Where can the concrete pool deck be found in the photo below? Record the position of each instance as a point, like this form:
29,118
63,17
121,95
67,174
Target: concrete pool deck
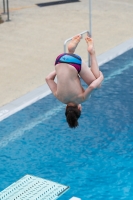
35,36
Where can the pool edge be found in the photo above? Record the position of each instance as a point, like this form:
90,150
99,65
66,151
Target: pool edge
42,91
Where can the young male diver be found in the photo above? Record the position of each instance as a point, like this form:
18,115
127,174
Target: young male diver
69,67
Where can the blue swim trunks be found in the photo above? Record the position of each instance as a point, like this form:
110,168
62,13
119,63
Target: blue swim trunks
71,59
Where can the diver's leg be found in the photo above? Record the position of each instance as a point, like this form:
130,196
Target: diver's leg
73,44
86,74
91,50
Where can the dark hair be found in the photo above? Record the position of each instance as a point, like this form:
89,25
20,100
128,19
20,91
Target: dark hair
72,114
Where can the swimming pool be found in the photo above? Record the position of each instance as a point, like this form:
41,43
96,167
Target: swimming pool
96,159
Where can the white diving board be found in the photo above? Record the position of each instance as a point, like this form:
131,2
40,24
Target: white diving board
33,188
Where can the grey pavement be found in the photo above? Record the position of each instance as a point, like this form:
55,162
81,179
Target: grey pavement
30,42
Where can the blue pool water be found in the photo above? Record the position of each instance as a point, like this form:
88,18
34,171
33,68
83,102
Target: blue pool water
96,159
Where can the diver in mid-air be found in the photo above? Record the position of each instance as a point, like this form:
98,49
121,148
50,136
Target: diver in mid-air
69,67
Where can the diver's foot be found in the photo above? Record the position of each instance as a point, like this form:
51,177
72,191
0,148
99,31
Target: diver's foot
73,43
90,45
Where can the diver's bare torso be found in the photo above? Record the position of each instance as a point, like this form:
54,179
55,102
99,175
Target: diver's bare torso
68,84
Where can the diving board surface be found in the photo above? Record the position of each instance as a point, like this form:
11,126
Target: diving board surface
33,188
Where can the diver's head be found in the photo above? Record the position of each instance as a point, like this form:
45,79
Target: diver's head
72,113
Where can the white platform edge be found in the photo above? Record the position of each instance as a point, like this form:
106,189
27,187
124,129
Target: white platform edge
33,187
42,91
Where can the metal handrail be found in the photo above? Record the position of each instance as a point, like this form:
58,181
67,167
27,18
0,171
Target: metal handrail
90,17
6,7
81,37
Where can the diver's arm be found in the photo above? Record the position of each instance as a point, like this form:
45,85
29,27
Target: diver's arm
51,83
95,84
